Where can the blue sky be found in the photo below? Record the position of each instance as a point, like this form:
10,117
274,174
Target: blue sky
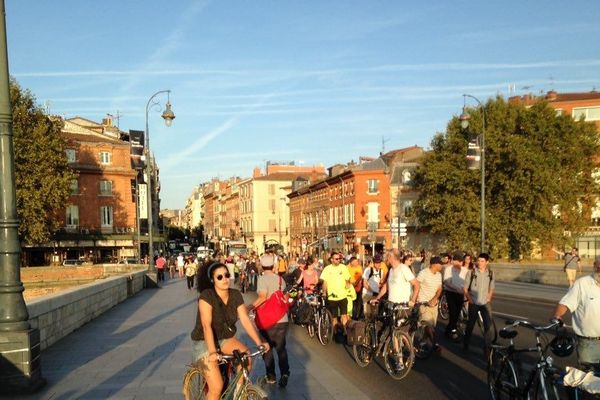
308,81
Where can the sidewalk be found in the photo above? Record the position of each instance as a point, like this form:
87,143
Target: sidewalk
140,350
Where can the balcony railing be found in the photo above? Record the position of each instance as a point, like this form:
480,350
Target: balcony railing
341,228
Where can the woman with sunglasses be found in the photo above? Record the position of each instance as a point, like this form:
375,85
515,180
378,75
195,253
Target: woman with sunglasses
219,308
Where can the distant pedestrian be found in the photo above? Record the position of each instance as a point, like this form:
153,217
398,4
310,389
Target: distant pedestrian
572,264
356,273
180,264
190,272
479,291
160,268
172,266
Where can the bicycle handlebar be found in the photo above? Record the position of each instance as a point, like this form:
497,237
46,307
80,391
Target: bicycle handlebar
537,328
242,355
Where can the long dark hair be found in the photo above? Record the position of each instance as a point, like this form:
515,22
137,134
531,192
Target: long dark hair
202,277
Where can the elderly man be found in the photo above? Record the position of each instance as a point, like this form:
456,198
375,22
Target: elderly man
583,300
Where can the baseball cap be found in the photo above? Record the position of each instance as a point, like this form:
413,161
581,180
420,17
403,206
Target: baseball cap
267,260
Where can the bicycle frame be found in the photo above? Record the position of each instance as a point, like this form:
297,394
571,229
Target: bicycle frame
241,379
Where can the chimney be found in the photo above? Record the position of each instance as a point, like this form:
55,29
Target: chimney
107,121
551,95
256,172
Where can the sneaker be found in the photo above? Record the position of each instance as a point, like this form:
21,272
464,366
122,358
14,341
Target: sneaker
270,380
283,381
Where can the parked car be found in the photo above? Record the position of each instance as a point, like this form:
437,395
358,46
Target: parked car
69,262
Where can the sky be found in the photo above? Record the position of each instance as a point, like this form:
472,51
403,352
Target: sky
313,81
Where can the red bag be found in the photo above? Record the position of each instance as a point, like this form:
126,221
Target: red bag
272,310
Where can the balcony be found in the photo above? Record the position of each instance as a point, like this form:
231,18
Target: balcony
341,228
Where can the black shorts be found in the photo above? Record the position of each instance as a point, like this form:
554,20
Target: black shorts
338,307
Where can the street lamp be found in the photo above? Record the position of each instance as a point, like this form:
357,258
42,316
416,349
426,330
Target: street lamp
464,123
20,345
168,116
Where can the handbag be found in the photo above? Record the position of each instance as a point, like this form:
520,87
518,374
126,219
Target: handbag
272,310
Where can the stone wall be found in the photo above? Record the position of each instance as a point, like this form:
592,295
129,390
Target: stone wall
546,274
75,273
57,315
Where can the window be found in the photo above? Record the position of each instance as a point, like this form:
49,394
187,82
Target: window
106,217
352,213
74,186
558,112
408,207
272,226
373,185
71,155
105,188
72,216
372,212
271,189
406,176
105,157
272,205
588,113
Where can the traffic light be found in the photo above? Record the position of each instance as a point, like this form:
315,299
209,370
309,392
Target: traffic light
402,227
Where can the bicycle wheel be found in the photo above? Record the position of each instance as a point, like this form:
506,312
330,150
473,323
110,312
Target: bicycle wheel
194,385
422,343
546,388
398,354
363,353
501,376
252,392
325,328
443,308
492,335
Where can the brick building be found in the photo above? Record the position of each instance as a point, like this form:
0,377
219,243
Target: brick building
349,210
99,222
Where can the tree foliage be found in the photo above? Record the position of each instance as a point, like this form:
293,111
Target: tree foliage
536,162
42,174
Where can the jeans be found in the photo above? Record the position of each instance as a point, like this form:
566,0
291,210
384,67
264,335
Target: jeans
276,339
486,315
160,274
455,303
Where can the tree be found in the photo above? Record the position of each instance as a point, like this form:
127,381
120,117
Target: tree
539,179
42,174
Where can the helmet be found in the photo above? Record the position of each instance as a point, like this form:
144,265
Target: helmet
562,345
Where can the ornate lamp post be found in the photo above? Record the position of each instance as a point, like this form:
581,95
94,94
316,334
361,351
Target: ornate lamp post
168,116
464,123
19,343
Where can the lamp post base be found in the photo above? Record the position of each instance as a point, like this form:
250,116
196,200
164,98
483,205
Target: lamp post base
20,364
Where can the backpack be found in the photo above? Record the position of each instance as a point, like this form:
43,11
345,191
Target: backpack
304,314
490,275
355,332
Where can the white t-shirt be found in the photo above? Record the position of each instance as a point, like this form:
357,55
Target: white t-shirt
583,300
180,261
429,284
457,278
399,287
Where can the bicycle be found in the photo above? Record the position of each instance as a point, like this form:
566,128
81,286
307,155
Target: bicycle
385,337
421,341
503,379
463,319
443,312
238,385
321,322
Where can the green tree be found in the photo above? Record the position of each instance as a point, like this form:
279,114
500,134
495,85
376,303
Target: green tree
42,174
537,163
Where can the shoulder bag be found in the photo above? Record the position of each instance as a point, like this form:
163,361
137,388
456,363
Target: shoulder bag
272,310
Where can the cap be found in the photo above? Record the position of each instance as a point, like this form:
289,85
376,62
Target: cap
267,260
377,258
435,260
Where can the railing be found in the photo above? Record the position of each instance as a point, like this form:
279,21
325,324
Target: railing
341,228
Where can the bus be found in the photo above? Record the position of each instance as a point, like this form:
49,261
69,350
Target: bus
237,247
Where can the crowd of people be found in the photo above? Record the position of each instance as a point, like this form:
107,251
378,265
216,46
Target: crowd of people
352,286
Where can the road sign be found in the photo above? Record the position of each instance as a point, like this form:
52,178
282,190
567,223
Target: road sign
402,229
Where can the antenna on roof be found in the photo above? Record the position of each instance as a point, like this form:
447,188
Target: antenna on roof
47,107
551,82
383,142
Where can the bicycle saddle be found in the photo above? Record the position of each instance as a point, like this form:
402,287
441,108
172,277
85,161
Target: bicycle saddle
508,333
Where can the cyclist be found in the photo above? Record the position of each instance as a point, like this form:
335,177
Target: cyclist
430,290
356,272
309,276
479,290
583,300
219,308
336,279
454,282
401,285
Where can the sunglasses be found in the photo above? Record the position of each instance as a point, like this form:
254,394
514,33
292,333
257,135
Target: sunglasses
336,259
225,275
